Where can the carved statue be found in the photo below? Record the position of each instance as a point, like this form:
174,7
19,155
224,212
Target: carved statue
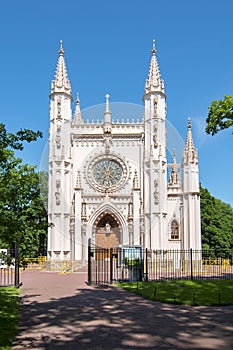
58,141
107,228
155,106
155,141
156,197
57,196
83,228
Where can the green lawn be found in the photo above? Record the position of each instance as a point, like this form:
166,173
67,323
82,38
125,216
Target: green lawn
186,292
9,316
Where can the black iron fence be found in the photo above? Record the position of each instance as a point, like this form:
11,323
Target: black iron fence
134,263
9,267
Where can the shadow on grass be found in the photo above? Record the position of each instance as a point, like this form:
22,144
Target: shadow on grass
111,318
185,292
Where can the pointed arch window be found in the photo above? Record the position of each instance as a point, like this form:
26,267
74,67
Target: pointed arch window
174,230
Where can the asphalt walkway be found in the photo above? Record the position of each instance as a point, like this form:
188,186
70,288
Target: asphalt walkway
62,312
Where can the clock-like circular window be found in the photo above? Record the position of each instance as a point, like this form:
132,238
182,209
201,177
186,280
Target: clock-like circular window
107,172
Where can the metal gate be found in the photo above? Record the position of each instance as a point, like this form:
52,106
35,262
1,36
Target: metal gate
124,263
9,267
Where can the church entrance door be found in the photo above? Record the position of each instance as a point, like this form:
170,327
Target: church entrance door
107,232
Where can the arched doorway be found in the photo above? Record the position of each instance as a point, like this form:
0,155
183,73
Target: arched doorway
107,231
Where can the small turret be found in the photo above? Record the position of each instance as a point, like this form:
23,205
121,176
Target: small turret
190,153
155,161
77,114
190,164
191,194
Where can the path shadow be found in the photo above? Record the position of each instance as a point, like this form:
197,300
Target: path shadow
111,318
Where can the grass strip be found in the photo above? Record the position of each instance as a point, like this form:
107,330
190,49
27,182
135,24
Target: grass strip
9,316
185,292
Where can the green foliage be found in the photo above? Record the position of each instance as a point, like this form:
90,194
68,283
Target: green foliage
220,115
43,177
216,222
6,259
22,214
9,316
14,141
186,292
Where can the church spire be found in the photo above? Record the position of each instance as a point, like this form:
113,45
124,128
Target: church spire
61,83
77,114
154,81
190,153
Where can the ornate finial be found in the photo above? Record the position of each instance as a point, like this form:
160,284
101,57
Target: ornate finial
77,98
107,115
107,127
61,51
107,102
153,47
189,123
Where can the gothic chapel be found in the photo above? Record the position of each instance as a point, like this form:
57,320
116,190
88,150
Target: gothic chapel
109,181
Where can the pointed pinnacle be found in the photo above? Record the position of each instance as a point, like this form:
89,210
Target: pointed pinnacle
154,81
61,81
77,114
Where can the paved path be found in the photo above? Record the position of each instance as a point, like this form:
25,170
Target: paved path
62,312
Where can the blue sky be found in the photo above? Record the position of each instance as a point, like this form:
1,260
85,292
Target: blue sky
107,49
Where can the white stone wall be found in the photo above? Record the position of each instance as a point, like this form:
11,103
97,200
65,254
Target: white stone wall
144,199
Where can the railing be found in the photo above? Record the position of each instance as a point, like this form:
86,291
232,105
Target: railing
7,276
133,263
9,267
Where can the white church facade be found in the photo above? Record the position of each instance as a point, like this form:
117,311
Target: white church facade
109,181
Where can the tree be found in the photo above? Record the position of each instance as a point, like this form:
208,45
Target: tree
10,141
220,115
216,222
44,178
22,214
